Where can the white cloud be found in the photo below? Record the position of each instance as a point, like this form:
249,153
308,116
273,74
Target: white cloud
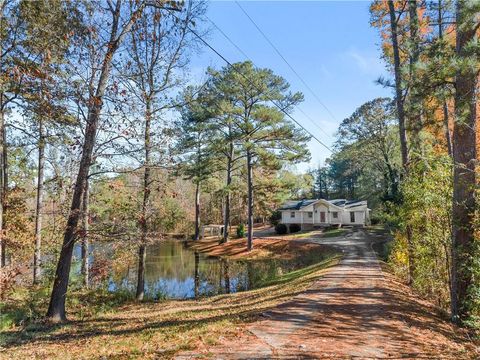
367,63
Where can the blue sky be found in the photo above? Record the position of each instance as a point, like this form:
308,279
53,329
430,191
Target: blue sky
329,43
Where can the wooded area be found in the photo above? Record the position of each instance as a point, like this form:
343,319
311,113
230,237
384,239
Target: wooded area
413,157
104,138
94,123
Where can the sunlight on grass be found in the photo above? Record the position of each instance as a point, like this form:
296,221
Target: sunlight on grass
334,233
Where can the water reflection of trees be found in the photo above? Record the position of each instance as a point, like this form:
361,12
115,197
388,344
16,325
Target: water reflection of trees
174,270
196,276
226,276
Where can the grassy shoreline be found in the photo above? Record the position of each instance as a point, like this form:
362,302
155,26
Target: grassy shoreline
264,248
160,329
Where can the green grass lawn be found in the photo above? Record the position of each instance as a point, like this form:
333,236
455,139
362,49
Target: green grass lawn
314,234
334,233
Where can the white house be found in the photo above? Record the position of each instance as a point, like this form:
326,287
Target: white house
321,212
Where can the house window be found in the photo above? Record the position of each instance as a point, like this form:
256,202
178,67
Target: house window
352,216
292,214
335,214
310,214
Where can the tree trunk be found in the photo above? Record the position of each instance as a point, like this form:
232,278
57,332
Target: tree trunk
446,122
414,38
56,308
146,199
226,276
85,241
3,185
196,277
464,157
398,84
39,207
250,275
446,127
415,118
401,121
142,255
197,212
250,201
3,160
226,223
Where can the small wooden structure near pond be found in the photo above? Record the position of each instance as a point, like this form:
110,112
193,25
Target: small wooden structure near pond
211,230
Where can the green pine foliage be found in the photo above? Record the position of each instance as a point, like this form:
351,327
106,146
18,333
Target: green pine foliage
426,209
241,231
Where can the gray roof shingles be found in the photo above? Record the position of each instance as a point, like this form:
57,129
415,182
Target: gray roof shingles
296,205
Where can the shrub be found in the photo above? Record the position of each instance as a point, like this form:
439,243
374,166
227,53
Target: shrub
294,228
281,229
275,218
240,231
8,276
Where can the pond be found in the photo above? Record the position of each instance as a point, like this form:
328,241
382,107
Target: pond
175,271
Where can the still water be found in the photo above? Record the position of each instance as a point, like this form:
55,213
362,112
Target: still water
175,271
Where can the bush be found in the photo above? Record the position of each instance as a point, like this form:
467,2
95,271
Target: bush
294,228
240,231
281,229
275,218
8,277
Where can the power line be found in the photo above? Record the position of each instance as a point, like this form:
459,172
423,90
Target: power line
247,57
243,75
228,38
286,62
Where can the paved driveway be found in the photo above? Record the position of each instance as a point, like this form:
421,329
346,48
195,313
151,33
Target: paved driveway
356,311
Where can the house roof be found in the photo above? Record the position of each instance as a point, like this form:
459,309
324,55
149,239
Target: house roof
338,202
341,203
355,203
296,204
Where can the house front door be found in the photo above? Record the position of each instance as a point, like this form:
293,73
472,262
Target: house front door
322,216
